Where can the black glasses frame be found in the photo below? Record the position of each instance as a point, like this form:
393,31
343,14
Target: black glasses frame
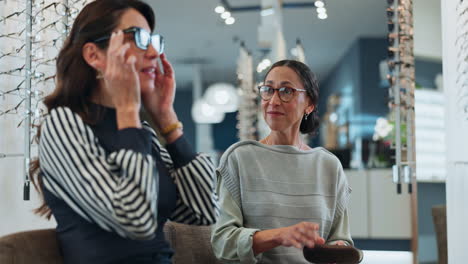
137,37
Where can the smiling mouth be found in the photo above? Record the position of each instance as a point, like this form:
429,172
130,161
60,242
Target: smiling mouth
149,70
275,113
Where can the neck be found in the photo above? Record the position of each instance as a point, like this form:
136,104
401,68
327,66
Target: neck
284,138
101,97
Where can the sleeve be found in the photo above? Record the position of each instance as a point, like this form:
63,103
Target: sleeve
340,227
231,242
118,191
340,230
194,175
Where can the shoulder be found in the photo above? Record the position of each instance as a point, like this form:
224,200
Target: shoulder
64,118
63,114
232,153
327,157
321,160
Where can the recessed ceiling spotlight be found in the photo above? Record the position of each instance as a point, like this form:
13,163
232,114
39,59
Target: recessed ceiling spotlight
323,16
219,9
225,15
319,3
321,10
230,21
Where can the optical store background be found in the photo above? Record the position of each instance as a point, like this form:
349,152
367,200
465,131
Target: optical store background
348,52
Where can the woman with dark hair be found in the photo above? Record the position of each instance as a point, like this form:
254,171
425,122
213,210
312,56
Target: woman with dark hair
109,182
279,195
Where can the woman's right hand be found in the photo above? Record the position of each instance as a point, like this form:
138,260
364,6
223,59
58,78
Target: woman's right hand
300,235
120,76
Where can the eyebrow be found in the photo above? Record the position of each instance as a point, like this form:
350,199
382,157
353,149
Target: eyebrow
281,83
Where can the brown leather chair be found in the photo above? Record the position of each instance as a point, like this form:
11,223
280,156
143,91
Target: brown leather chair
191,244
30,247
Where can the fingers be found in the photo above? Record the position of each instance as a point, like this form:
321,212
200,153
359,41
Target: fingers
120,74
117,64
304,234
296,236
115,41
339,243
168,70
131,63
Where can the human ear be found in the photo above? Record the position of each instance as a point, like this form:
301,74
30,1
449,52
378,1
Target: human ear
94,56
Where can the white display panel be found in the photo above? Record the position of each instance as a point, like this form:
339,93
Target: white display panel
430,136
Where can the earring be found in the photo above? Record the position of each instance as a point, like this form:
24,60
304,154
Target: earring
99,75
305,116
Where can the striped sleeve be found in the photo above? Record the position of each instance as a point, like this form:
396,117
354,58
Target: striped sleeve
197,201
118,191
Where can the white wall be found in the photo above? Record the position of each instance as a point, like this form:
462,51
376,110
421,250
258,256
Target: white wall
427,29
457,142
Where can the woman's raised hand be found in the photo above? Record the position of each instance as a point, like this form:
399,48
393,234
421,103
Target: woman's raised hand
120,76
159,102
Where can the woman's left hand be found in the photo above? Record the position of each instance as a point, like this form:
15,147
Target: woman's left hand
159,102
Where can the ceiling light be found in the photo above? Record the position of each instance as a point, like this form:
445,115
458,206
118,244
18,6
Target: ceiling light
263,65
294,52
319,3
321,10
204,113
225,15
230,21
223,97
219,9
323,16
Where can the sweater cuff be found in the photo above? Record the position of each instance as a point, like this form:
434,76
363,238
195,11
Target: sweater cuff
245,246
136,139
181,152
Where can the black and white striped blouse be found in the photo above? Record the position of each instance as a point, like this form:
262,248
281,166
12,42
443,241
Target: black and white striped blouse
118,191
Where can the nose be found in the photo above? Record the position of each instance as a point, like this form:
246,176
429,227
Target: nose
275,100
151,52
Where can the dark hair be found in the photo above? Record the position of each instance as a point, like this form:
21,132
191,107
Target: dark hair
75,79
310,83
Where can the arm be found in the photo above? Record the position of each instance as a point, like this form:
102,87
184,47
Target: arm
340,233
193,174
118,192
231,241
194,177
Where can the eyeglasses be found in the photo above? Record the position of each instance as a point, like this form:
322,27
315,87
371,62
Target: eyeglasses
285,93
142,39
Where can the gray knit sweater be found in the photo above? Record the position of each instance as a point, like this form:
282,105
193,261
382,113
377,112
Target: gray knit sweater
278,186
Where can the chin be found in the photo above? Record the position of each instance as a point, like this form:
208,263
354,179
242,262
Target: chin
275,126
